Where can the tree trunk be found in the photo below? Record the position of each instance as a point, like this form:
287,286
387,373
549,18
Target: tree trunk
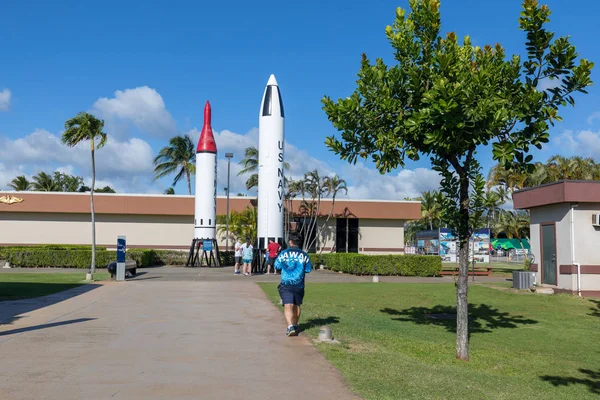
187,174
93,266
462,304
326,221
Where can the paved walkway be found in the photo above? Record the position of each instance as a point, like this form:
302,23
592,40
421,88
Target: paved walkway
151,339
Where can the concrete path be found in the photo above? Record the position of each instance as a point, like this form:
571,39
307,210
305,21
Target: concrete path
151,339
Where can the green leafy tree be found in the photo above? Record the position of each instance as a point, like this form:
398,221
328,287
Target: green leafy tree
20,183
106,189
178,157
170,190
444,99
82,128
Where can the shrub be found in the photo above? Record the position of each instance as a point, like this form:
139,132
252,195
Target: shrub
365,264
5,250
59,258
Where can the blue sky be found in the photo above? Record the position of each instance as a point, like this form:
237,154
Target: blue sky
148,67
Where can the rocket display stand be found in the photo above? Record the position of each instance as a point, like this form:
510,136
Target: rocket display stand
258,261
195,257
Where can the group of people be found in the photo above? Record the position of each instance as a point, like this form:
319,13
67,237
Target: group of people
293,263
244,253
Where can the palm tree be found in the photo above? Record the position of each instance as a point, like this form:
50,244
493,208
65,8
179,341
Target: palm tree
43,182
333,185
513,180
67,183
20,183
81,128
431,209
250,164
180,155
514,224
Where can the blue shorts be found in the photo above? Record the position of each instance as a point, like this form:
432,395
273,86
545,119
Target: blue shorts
247,261
291,294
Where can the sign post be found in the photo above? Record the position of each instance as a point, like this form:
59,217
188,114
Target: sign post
121,250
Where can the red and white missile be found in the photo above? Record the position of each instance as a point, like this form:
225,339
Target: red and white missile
205,216
270,166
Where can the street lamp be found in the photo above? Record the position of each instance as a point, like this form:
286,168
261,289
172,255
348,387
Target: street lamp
228,156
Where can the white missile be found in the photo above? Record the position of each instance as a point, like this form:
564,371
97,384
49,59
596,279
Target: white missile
205,216
270,166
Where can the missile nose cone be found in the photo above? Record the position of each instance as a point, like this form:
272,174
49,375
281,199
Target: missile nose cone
272,103
206,143
272,81
207,113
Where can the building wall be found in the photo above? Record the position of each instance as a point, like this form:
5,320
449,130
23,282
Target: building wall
165,231
587,240
585,243
558,214
157,231
381,236
375,236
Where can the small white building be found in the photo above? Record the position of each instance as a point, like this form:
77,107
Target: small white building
565,234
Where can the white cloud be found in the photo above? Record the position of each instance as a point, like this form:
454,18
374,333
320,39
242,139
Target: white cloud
583,143
595,116
143,107
5,100
548,83
129,163
368,183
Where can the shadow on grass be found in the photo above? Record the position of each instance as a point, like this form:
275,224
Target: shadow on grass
22,297
318,322
482,318
595,310
592,380
45,326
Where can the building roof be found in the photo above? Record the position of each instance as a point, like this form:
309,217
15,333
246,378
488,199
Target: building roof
558,192
158,204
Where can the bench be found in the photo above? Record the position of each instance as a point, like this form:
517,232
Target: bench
479,271
130,266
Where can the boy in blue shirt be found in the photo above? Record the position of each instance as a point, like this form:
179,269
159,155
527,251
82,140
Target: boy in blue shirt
293,264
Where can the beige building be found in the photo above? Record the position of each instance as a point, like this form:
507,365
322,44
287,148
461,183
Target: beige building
166,221
565,234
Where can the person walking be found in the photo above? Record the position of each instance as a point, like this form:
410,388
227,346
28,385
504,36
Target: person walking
294,264
238,256
273,250
247,255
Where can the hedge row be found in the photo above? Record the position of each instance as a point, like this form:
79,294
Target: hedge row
81,257
366,264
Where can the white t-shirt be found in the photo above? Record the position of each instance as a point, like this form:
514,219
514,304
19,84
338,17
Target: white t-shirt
238,249
247,251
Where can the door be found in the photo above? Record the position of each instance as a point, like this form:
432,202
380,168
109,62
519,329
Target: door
352,235
548,255
341,234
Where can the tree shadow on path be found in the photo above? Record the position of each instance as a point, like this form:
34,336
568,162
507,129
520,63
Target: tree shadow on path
44,326
318,322
482,317
592,380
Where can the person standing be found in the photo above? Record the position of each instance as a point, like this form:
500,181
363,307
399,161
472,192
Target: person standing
273,250
247,255
238,256
294,264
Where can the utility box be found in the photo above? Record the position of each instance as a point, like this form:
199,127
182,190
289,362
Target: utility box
523,279
121,252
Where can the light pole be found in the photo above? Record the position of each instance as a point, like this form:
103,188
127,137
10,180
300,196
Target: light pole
228,156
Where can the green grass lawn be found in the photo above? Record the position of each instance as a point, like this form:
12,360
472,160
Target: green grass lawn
14,286
522,345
